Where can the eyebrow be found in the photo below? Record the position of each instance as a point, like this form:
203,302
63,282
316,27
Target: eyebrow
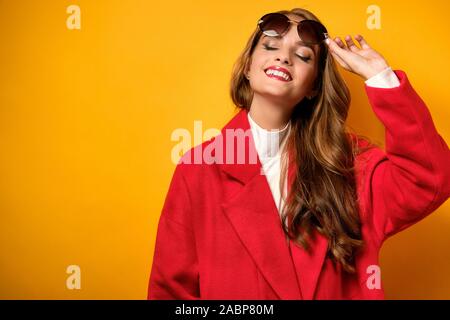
300,43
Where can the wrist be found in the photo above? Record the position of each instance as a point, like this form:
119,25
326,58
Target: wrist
375,69
374,72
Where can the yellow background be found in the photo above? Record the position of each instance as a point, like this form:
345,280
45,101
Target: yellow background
86,117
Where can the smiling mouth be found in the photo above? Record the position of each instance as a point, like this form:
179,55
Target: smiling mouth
278,75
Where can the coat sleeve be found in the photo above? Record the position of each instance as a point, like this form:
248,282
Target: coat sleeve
411,178
174,273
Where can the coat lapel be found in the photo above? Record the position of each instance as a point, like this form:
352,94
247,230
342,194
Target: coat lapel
254,217
310,264
251,210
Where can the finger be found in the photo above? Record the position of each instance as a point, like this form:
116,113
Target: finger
340,61
343,54
362,42
333,46
351,45
340,43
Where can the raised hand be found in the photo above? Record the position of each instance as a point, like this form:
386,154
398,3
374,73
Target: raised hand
363,61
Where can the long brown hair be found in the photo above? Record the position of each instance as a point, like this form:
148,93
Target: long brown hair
323,189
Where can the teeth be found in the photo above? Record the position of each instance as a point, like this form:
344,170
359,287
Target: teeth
278,73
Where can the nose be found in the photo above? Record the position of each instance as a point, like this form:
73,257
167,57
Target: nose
283,56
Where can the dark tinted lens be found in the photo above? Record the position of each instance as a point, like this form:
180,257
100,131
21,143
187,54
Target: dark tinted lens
311,31
273,24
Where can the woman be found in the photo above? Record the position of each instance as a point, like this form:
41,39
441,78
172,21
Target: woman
306,220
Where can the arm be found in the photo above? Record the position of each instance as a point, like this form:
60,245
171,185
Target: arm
174,273
412,179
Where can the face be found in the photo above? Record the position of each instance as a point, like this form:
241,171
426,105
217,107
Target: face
299,63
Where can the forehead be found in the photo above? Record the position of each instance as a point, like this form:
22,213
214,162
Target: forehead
294,17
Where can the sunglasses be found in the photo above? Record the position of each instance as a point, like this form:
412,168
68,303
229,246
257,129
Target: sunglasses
309,31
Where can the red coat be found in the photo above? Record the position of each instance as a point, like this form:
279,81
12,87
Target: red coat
220,237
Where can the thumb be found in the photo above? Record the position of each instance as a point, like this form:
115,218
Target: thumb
335,48
338,53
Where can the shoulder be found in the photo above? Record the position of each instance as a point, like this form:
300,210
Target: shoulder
366,154
363,146
210,155
198,158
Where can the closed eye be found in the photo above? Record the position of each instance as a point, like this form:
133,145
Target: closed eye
306,59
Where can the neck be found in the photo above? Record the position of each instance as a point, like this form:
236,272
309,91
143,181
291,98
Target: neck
269,116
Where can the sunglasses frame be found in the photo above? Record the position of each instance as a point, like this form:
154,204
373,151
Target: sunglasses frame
299,26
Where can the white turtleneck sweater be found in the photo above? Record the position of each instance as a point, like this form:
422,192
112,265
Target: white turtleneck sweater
270,143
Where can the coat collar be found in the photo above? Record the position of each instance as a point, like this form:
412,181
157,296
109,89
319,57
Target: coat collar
254,216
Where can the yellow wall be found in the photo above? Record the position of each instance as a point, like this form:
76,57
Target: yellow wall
86,117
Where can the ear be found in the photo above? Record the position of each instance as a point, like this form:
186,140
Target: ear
246,72
247,68
314,91
311,94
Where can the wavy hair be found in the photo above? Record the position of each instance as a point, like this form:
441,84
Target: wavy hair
323,189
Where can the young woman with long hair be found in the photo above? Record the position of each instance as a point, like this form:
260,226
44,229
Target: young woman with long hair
307,219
